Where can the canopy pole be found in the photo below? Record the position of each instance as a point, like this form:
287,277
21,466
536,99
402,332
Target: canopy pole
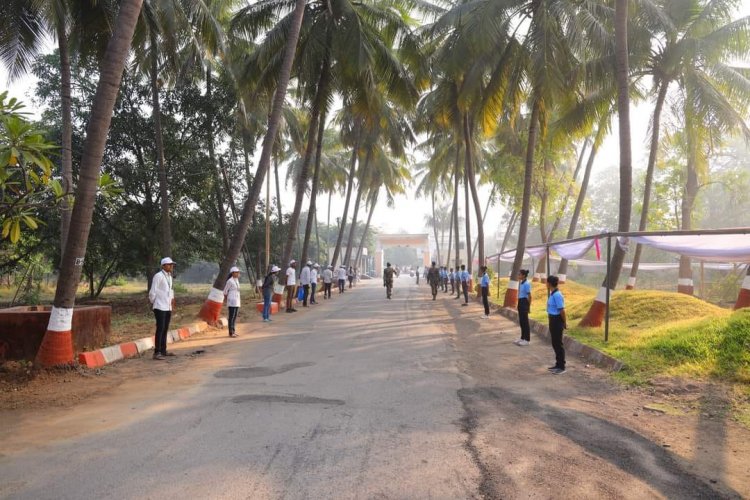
497,277
606,310
547,263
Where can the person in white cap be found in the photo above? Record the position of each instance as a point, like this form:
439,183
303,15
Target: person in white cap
268,284
291,285
161,297
342,278
304,281
327,281
232,295
313,282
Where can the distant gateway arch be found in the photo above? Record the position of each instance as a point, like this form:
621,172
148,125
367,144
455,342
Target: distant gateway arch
420,242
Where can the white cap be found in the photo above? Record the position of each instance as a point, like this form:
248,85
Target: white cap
275,269
292,262
234,269
316,265
309,263
167,260
330,266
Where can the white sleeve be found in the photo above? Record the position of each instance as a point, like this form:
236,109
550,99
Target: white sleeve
154,284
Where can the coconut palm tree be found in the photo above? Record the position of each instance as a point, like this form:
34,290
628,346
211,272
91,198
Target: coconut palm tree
290,25
57,344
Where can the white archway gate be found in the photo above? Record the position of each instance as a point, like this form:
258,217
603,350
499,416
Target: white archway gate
420,242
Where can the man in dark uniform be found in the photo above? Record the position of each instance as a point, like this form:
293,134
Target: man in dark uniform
388,274
433,278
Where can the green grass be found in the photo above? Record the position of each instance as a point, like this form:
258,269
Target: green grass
661,334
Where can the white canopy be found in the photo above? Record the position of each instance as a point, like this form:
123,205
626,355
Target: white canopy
706,247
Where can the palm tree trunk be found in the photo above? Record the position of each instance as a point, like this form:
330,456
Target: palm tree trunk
655,129
57,344
328,227
434,226
353,226
467,215
165,223
511,294
367,228
456,173
562,270
317,239
349,188
471,180
685,282
212,307
314,188
66,152
209,131
278,190
595,315
450,238
484,217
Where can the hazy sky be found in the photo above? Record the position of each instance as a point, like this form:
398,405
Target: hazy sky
409,212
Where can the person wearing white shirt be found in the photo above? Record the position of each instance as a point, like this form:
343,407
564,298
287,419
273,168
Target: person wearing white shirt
161,297
341,274
313,282
232,294
327,281
291,285
304,281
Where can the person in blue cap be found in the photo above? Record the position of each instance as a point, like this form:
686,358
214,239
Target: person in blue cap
524,307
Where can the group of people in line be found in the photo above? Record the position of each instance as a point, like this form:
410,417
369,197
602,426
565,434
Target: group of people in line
161,296
309,277
460,281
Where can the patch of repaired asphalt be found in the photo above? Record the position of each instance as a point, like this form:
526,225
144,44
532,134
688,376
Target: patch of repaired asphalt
259,371
290,399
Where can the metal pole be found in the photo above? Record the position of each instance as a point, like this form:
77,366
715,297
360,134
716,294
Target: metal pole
606,311
498,278
547,264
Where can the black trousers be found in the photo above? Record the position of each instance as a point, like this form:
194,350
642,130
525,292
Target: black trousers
523,318
162,326
306,291
342,284
556,332
233,313
313,286
465,289
453,286
486,299
327,290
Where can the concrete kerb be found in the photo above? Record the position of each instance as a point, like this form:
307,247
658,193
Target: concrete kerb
572,346
135,348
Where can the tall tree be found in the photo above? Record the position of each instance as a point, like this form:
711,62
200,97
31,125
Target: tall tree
292,23
57,344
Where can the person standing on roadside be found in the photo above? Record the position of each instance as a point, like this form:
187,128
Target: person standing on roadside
350,276
465,284
327,282
458,282
524,307
304,281
268,283
452,279
558,322
433,279
162,301
291,285
232,296
388,274
341,275
417,275
485,285
313,282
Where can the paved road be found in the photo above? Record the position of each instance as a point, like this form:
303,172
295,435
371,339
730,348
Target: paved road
359,397
353,398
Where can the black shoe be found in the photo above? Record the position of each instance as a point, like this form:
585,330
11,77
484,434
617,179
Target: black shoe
552,368
289,310
158,356
558,371
464,304
169,354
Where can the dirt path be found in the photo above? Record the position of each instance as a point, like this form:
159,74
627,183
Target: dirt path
579,434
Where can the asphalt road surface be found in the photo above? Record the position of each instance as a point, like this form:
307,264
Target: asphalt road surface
357,397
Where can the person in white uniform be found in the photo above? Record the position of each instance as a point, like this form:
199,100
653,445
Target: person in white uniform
161,297
291,285
304,281
341,278
232,295
327,282
313,282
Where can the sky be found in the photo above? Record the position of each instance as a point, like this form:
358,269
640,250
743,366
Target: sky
408,213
